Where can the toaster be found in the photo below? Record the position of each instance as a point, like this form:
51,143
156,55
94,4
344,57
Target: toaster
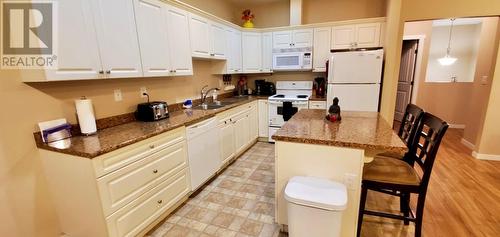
152,111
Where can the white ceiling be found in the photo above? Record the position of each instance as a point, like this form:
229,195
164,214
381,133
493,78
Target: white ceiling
458,21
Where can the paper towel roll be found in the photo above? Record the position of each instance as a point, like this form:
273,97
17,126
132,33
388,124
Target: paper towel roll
86,118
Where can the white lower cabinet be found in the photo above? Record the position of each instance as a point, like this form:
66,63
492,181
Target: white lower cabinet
121,193
263,119
137,215
238,130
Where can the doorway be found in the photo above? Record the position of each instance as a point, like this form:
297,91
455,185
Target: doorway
406,81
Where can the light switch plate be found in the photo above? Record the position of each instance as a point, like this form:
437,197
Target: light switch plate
118,95
484,80
143,90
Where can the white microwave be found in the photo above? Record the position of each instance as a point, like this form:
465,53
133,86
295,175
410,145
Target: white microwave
293,59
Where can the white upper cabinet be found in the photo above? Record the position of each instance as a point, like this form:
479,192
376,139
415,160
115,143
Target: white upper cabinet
368,35
76,28
181,62
293,39
208,39
153,39
267,52
234,63
218,40
343,37
321,48
252,52
199,29
117,36
282,39
356,36
302,38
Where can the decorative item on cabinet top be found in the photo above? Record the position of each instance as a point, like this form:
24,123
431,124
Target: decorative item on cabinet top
248,16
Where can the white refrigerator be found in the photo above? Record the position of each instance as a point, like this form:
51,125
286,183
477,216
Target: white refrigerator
354,77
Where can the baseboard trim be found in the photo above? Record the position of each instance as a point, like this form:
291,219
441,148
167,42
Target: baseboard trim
480,156
468,144
459,126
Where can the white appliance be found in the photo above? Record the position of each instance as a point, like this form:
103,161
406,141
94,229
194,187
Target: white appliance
295,92
292,59
354,77
203,151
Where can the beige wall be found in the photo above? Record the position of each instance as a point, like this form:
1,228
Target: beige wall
25,204
408,10
315,11
457,103
267,14
221,8
284,76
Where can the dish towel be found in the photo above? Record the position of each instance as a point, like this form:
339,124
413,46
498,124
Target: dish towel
288,110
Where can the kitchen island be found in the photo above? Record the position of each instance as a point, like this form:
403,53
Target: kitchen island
309,145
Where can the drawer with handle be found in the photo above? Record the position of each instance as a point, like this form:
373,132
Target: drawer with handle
317,104
124,185
134,217
120,158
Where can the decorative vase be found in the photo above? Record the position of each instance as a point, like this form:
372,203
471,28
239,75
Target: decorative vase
248,24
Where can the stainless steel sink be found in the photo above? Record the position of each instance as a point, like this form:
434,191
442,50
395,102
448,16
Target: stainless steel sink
210,106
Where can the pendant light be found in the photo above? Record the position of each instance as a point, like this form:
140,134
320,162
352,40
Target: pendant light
447,59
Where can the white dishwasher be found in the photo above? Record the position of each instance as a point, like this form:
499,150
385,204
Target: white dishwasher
203,151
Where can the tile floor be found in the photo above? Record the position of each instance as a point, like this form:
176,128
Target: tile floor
239,202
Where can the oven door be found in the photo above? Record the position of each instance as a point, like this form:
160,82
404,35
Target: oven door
287,61
276,111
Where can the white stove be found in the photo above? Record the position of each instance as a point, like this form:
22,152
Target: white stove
291,96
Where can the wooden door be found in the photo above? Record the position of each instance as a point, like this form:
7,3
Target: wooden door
406,77
117,37
153,40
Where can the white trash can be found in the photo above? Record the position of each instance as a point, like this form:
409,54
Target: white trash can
315,206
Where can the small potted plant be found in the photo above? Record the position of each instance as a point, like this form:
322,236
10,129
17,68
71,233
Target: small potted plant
247,17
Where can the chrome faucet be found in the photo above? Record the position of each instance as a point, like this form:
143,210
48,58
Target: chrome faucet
204,94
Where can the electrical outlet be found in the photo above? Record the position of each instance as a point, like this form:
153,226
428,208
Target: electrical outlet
350,181
118,95
143,90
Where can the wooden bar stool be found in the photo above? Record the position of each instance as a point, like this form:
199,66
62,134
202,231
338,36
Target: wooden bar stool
398,177
407,130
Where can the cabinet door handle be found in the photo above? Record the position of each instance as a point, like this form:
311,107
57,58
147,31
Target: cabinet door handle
101,72
108,72
152,146
155,171
160,201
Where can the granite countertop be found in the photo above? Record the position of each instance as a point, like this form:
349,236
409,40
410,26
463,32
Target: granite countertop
362,130
113,138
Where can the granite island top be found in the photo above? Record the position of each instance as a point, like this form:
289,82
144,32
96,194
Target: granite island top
362,130
113,138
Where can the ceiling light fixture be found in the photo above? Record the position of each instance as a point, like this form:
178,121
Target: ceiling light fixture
447,59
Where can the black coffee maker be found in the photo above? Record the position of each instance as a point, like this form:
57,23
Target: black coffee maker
262,87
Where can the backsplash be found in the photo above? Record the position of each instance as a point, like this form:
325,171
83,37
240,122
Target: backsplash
282,76
170,89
